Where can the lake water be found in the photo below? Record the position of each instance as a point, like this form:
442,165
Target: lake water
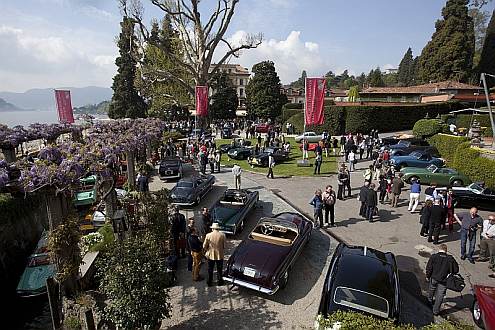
27,117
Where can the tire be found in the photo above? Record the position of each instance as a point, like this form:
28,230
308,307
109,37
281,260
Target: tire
476,313
284,280
457,183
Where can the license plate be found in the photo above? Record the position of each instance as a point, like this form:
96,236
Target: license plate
169,172
249,272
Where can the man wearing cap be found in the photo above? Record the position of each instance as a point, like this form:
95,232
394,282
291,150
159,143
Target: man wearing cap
214,247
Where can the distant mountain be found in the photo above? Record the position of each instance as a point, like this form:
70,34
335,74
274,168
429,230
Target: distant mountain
93,109
44,99
6,106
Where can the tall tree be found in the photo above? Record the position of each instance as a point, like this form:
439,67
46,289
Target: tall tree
405,74
164,93
263,97
126,102
199,40
449,54
299,83
224,100
375,78
487,60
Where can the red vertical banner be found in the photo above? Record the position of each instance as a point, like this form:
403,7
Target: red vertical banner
64,106
315,98
201,100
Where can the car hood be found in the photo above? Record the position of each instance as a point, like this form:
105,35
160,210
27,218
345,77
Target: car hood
405,157
225,215
34,278
264,257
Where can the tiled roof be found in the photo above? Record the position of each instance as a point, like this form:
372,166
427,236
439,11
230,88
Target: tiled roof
431,88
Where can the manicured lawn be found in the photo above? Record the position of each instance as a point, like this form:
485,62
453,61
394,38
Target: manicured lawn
289,167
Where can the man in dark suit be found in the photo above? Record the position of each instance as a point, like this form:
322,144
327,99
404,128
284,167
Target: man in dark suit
371,202
363,194
437,216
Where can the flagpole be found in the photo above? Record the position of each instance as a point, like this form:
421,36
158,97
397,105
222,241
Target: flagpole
305,101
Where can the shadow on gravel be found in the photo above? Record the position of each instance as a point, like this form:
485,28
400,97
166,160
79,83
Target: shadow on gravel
454,304
415,308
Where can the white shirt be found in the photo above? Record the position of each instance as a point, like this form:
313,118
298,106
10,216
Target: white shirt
236,170
352,156
488,229
271,161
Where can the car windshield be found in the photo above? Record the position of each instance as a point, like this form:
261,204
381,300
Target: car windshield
184,184
432,168
170,162
361,300
404,143
274,232
415,154
476,188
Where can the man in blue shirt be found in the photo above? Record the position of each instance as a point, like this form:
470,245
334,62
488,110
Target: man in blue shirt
414,195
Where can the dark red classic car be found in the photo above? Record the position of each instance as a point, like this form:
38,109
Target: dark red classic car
262,128
262,261
483,309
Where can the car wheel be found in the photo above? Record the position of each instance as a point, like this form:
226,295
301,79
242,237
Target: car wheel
476,312
457,183
284,279
411,179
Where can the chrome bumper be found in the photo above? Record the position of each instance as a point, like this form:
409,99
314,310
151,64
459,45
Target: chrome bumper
164,177
250,286
183,203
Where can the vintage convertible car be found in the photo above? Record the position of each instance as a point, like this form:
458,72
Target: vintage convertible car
170,168
363,280
262,159
231,210
441,176
432,151
312,137
263,260
473,195
189,191
87,192
224,148
416,159
483,309
240,153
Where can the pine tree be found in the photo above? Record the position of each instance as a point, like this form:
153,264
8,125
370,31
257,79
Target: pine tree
375,78
224,101
406,69
126,102
487,60
263,97
449,54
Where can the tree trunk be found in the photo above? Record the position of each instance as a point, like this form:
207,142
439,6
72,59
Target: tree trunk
131,171
54,208
9,154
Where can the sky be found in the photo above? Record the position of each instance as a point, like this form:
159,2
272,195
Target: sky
72,43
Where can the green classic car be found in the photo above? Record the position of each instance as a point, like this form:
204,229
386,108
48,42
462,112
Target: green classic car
441,176
232,208
86,194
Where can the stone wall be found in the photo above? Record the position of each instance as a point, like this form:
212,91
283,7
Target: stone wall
18,237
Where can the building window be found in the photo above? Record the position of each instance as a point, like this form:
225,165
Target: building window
241,82
241,92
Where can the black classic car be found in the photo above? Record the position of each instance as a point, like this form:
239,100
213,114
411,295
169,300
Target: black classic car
262,159
237,143
232,208
263,260
364,280
170,168
404,147
189,191
226,133
240,153
473,195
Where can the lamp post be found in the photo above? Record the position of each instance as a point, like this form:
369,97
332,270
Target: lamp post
483,79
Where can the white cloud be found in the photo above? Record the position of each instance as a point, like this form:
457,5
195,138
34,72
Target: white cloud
283,3
291,56
93,12
48,60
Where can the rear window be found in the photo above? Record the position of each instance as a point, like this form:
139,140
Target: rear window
362,301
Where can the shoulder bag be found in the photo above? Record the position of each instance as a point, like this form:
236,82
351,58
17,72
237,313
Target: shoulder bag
455,282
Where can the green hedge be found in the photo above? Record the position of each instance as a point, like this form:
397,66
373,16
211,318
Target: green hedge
459,155
429,127
14,208
339,120
352,320
288,113
297,106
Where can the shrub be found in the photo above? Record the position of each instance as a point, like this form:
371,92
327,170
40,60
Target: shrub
459,155
428,127
465,121
14,208
72,323
298,106
288,113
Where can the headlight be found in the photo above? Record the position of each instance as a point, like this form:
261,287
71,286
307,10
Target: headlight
173,195
234,153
